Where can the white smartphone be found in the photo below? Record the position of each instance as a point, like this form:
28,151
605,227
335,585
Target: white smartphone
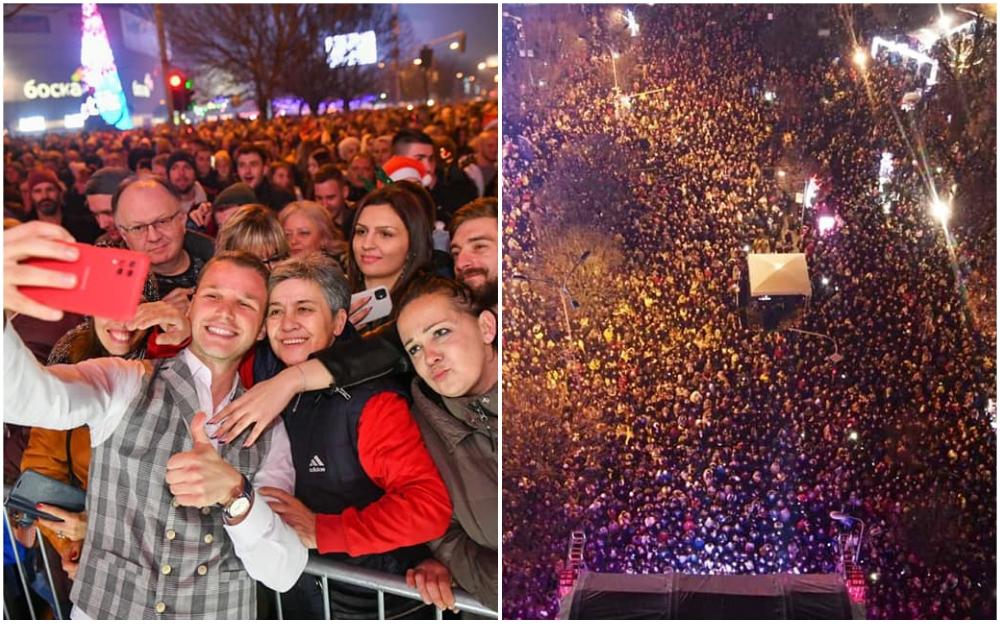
380,303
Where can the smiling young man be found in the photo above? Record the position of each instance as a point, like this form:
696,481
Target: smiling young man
251,167
175,526
474,247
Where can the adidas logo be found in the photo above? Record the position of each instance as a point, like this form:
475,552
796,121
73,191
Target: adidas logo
315,465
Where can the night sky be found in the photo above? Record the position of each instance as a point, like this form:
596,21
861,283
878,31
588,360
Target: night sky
479,21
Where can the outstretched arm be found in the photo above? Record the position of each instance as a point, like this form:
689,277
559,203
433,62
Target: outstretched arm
344,364
61,397
92,393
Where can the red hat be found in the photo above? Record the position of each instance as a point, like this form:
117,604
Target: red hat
404,168
37,176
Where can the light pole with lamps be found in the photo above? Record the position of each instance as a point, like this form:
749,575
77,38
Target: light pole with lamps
614,68
564,294
846,519
835,357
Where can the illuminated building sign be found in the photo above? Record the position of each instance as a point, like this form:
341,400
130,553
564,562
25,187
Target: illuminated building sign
43,90
351,49
143,89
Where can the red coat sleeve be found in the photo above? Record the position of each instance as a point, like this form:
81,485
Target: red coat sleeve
156,351
415,508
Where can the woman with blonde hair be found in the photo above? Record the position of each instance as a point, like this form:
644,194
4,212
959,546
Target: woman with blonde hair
308,227
253,228
224,166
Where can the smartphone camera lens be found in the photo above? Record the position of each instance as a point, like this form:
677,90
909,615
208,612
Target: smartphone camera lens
120,270
380,294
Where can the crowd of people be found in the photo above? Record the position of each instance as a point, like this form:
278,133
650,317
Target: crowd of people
264,400
676,435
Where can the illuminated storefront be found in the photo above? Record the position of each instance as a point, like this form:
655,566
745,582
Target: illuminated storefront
69,67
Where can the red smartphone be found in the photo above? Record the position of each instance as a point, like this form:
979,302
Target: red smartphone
109,282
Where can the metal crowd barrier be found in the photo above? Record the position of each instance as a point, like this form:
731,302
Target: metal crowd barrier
382,582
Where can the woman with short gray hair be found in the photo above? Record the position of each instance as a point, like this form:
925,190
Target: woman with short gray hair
366,489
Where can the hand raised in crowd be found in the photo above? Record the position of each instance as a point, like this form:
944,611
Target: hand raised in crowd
200,477
294,513
202,214
175,324
72,527
36,239
180,298
433,580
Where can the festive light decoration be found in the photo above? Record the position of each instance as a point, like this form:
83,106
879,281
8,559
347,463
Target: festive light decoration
908,53
100,72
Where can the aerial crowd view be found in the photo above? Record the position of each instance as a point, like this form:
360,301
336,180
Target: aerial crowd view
648,413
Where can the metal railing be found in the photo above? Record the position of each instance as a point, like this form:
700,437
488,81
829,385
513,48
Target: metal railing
381,582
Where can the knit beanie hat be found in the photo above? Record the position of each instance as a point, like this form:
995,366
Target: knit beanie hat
180,155
106,181
37,176
234,195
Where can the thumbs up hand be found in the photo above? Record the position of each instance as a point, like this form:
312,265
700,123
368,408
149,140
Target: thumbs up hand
200,477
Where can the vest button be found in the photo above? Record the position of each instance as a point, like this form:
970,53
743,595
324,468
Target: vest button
209,538
174,503
202,570
171,534
206,510
166,569
160,607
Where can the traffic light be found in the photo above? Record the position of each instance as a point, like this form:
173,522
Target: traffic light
426,57
181,89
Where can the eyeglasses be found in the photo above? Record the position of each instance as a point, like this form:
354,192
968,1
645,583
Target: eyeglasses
273,260
143,230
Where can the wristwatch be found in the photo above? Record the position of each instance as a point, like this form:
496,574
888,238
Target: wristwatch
239,506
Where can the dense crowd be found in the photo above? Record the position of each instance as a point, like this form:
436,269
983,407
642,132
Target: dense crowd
677,436
258,401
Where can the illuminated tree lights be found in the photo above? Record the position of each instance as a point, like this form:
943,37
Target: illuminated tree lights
100,72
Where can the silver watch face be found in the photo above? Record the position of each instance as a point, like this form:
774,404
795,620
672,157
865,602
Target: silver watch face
238,507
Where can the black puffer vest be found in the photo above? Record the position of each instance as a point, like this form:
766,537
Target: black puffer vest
329,478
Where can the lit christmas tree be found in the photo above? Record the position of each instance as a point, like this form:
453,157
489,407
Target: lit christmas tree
100,72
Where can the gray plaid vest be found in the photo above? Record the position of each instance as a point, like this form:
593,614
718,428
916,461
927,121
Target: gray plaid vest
144,557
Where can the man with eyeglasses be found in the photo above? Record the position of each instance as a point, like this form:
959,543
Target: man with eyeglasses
149,216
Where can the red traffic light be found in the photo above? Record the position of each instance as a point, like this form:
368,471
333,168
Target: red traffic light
175,80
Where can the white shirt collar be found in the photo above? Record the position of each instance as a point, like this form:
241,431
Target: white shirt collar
202,378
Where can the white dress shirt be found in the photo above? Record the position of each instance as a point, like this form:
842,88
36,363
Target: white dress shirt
98,393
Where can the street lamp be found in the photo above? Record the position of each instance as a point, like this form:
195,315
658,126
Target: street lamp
846,519
614,66
941,210
860,57
568,300
836,356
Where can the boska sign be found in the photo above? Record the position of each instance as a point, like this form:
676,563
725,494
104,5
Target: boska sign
44,90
